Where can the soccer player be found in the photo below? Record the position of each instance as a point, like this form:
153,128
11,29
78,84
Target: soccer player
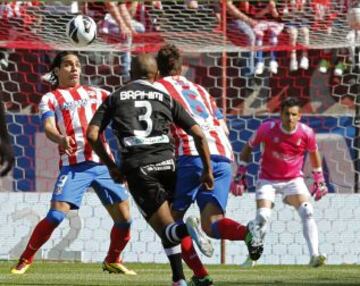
284,144
6,152
141,116
202,107
65,113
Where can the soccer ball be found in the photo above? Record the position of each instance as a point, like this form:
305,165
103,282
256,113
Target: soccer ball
354,18
81,30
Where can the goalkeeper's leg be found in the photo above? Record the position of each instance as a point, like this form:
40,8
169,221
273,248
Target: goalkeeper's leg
310,230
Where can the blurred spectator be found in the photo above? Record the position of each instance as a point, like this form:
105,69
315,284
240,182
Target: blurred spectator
239,24
115,24
296,20
324,14
140,13
267,15
192,4
112,18
250,18
16,18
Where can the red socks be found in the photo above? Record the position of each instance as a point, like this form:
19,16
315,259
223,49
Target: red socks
119,238
226,228
191,258
40,235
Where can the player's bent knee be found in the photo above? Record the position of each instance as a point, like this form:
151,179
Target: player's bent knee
55,216
263,216
306,210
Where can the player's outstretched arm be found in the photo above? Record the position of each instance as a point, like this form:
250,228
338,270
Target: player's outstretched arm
202,147
318,189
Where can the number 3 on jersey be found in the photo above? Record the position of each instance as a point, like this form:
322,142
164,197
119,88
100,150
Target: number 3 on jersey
144,117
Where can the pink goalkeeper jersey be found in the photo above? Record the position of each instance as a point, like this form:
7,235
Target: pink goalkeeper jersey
202,108
73,109
283,152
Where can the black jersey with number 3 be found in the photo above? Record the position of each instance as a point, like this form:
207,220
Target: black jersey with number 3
140,117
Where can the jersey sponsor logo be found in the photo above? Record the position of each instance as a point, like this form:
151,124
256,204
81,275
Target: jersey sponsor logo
71,105
283,156
141,95
162,166
137,140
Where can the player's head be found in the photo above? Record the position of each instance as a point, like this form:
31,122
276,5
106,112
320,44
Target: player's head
169,60
65,70
290,113
144,67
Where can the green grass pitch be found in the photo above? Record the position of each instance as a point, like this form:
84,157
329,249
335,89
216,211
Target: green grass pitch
91,274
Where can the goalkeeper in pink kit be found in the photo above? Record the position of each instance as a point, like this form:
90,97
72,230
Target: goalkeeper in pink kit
284,143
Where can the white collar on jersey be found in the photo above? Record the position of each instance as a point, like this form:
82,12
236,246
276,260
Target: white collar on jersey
288,132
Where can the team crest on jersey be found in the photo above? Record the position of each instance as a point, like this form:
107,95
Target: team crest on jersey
92,94
276,140
298,142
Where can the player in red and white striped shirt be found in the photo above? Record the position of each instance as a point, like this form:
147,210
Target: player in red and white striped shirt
65,113
73,109
202,107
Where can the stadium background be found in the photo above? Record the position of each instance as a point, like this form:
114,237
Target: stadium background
219,61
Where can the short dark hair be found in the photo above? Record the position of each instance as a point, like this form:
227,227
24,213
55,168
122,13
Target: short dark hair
56,63
290,102
169,60
144,66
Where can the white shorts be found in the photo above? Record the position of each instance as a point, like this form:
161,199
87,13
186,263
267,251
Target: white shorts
266,190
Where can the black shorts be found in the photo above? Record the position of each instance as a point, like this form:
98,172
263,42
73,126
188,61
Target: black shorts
151,185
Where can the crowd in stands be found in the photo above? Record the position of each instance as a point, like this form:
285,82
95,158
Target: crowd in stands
254,24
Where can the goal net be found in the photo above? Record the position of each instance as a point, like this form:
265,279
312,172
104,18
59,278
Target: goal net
219,53
248,68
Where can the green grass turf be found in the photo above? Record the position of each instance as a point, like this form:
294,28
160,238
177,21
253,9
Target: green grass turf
90,274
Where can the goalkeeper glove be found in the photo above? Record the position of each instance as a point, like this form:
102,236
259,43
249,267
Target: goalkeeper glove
238,185
318,188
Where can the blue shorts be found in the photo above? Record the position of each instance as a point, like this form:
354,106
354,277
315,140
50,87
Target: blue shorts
188,187
73,181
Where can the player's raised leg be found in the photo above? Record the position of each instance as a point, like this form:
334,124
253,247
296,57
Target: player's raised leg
201,276
265,195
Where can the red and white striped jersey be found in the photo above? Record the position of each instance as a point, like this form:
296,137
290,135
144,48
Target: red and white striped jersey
202,107
73,109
